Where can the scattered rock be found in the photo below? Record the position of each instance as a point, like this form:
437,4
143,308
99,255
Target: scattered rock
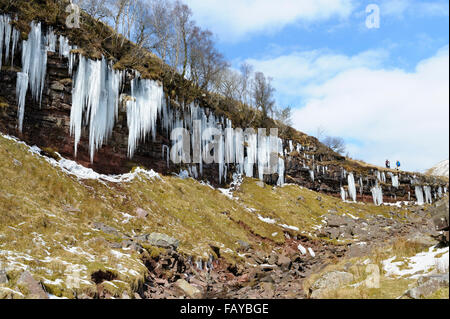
284,262
243,245
106,229
162,241
3,277
428,285
141,213
330,281
335,221
188,289
33,287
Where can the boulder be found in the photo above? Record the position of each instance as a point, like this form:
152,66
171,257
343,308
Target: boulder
330,281
141,213
106,229
284,262
3,277
428,285
33,287
162,241
188,289
243,245
336,221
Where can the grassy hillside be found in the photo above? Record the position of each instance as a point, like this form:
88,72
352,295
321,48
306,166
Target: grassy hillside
47,219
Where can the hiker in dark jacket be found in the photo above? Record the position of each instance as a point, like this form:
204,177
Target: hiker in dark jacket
388,164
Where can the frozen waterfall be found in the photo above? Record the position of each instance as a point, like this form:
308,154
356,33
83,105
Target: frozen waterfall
419,195
351,187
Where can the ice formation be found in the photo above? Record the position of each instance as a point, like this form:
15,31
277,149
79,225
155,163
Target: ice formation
419,195
377,195
428,197
343,194
21,91
394,179
142,110
351,187
95,96
97,92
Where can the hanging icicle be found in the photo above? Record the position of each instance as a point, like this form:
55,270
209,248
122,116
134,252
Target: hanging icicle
95,97
351,187
142,111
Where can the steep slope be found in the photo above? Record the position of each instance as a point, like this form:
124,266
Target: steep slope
68,226
440,169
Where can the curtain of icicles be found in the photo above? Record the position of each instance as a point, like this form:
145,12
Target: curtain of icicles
34,60
377,195
95,102
95,98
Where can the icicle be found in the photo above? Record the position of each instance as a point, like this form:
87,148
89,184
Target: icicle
377,195
250,160
428,197
15,40
5,36
51,40
351,186
343,195
240,160
361,186
281,167
34,61
3,22
311,175
21,92
64,47
142,111
96,93
419,195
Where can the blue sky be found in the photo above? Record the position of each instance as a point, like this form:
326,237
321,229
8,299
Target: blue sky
385,90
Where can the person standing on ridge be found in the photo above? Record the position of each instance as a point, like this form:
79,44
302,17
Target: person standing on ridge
388,164
398,165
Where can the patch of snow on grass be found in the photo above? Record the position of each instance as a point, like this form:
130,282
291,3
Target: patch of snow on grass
79,171
434,260
289,227
266,220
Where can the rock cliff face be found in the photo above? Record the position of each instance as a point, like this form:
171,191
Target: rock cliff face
47,125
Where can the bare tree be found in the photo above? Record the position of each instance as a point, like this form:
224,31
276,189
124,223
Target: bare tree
206,63
98,9
263,93
284,115
246,78
183,28
228,83
337,144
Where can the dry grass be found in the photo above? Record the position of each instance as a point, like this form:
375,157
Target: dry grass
46,218
390,288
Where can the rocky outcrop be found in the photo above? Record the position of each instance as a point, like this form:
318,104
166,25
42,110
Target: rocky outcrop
31,286
427,285
330,281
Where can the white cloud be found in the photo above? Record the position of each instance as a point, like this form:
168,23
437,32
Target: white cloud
292,72
399,8
385,113
234,19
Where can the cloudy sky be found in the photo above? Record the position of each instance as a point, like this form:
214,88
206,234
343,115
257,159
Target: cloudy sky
385,90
